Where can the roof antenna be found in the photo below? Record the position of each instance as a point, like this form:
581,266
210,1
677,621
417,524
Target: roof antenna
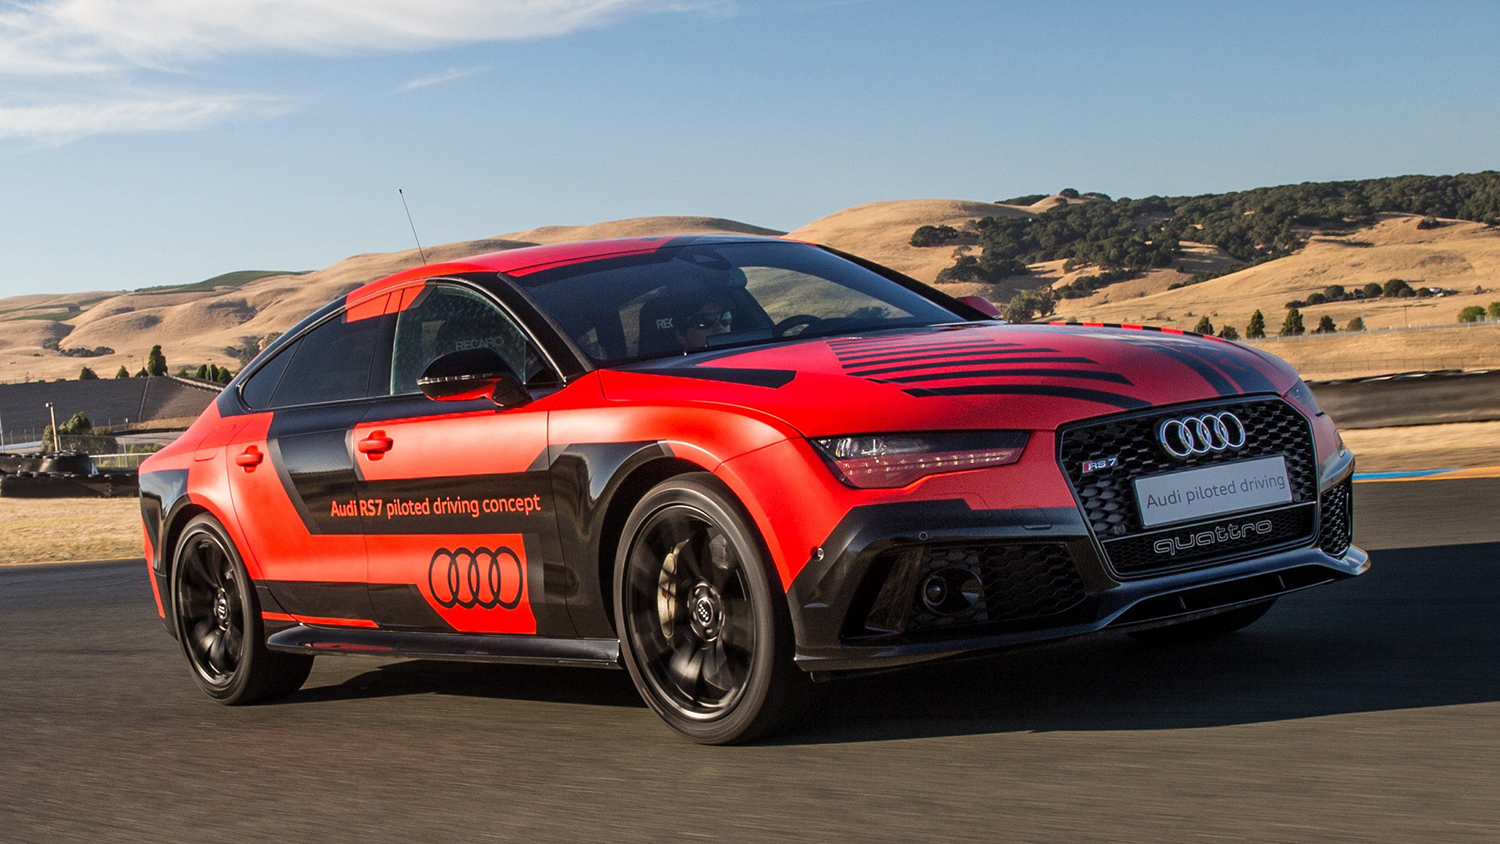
413,226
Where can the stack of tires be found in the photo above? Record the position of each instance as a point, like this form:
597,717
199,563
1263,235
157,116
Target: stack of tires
62,476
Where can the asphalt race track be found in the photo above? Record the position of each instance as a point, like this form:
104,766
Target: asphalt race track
1363,711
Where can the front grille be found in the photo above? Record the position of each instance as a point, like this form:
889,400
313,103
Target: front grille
1337,529
1016,583
1186,546
1107,496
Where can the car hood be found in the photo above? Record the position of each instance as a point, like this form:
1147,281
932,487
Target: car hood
967,376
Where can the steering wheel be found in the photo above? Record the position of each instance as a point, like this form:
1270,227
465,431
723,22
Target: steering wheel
783,327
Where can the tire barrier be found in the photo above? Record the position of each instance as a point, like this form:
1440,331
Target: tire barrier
68,485
1420,398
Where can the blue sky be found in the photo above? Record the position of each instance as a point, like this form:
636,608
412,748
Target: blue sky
149,142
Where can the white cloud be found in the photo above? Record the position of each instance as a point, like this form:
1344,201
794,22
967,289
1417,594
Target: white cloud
89,36
60,122
448,75
72,68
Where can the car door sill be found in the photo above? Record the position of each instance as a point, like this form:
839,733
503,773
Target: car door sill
533,650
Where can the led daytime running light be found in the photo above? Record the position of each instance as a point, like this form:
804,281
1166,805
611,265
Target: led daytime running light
884,462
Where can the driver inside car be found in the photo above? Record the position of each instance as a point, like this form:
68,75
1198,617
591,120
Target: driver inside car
695,325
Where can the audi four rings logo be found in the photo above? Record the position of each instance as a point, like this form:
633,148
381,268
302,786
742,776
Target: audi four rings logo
481,577
1197,435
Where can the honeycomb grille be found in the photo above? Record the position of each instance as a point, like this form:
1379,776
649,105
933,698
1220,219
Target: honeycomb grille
1107,496
1018,582
1337,530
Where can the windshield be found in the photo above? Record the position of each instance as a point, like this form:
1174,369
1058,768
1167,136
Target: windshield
703,296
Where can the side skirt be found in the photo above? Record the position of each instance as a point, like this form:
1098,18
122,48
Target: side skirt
532,650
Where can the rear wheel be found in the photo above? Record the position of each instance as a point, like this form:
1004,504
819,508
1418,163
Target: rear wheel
705,634
218,621
1205,628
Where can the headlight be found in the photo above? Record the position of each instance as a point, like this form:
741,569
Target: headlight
1302,396
885,461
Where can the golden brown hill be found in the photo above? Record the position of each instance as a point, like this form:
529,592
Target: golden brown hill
881,231
1459,256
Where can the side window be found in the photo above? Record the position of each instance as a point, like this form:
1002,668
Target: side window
259,387
445,318
331,362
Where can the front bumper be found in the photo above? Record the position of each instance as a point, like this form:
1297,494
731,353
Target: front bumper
838,600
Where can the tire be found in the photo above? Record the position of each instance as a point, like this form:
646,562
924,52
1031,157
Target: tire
704,627
1200,629
217,619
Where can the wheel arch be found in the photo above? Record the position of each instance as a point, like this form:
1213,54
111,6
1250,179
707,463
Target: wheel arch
632,486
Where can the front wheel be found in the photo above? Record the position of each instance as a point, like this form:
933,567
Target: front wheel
218,621
705,634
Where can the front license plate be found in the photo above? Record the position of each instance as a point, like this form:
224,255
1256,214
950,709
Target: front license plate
1193,494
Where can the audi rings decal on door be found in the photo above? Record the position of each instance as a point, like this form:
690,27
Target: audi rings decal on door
1199,435
482,577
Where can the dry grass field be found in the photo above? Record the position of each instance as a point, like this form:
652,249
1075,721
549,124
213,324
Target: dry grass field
60,529
1459,445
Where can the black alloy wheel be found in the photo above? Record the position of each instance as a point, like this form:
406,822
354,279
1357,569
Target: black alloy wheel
218,622
705,636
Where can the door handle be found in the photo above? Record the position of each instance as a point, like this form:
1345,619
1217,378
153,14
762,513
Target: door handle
376,444
249,458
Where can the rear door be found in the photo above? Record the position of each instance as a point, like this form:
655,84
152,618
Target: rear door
455,496
291,467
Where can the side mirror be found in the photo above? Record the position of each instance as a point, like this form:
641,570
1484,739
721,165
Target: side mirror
981,304
473,374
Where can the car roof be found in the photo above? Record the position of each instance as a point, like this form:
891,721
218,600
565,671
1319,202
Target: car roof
530,259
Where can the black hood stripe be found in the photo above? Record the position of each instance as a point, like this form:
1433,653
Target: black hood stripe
930,365
851,353
884,360
771,378
1055,390
1247,377
1028,372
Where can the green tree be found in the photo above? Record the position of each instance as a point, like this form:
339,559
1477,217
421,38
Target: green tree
213,372
122,372
86,374
1257,327
933,235
1394,287
1228,332
225,376
1204,326
1325,325
1335,292
1292,326
1473,313
1356,324
1316,298
1373,290
1494,310
156,362
202,373
142,373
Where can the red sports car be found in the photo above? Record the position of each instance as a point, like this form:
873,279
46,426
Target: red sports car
734,467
